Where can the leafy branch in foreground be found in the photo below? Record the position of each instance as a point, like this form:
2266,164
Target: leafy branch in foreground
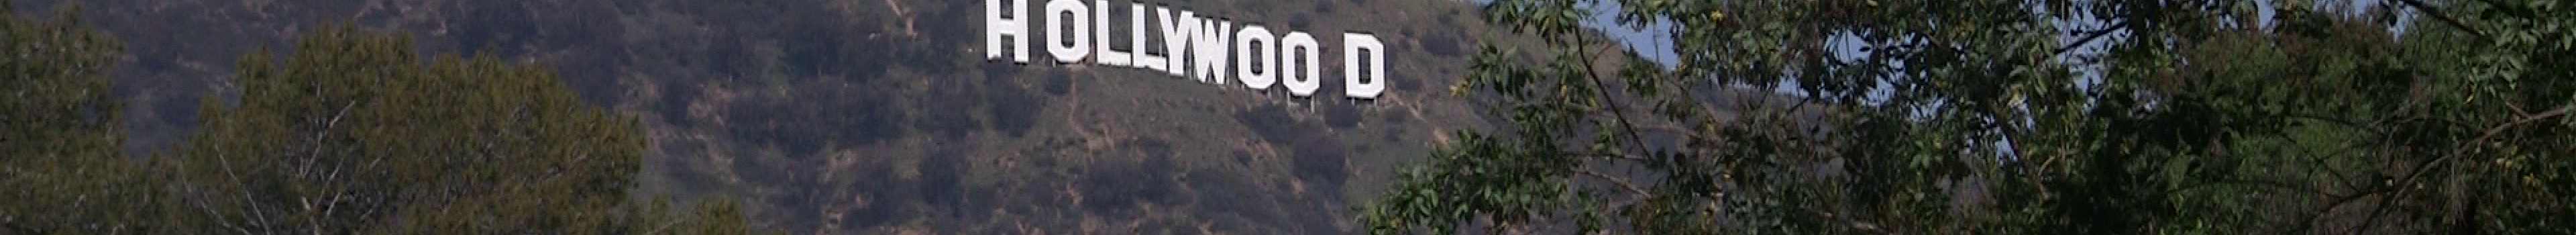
1980,117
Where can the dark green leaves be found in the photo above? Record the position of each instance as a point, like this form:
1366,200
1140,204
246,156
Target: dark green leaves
1984,117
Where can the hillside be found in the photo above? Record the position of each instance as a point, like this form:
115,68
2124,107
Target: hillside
879,116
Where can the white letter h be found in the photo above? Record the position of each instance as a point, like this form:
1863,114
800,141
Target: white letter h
1015,26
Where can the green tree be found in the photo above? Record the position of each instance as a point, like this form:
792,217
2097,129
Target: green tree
351,134
2193,116
356,133
61,169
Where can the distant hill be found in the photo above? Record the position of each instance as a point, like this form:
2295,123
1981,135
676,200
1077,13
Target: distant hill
880,117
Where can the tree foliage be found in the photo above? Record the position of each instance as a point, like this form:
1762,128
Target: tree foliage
355,133
2044,116
60,164
350,133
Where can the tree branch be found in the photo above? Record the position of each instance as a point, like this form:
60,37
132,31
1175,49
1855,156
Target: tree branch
2089,37
2490,133
2395,191
1622,182
2428,10
1603,90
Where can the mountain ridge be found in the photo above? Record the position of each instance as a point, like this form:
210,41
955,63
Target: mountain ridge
880,116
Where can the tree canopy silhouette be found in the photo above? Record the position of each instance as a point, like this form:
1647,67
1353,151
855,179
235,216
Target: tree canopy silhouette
2046,117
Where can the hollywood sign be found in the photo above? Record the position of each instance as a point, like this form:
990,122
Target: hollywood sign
1193,47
